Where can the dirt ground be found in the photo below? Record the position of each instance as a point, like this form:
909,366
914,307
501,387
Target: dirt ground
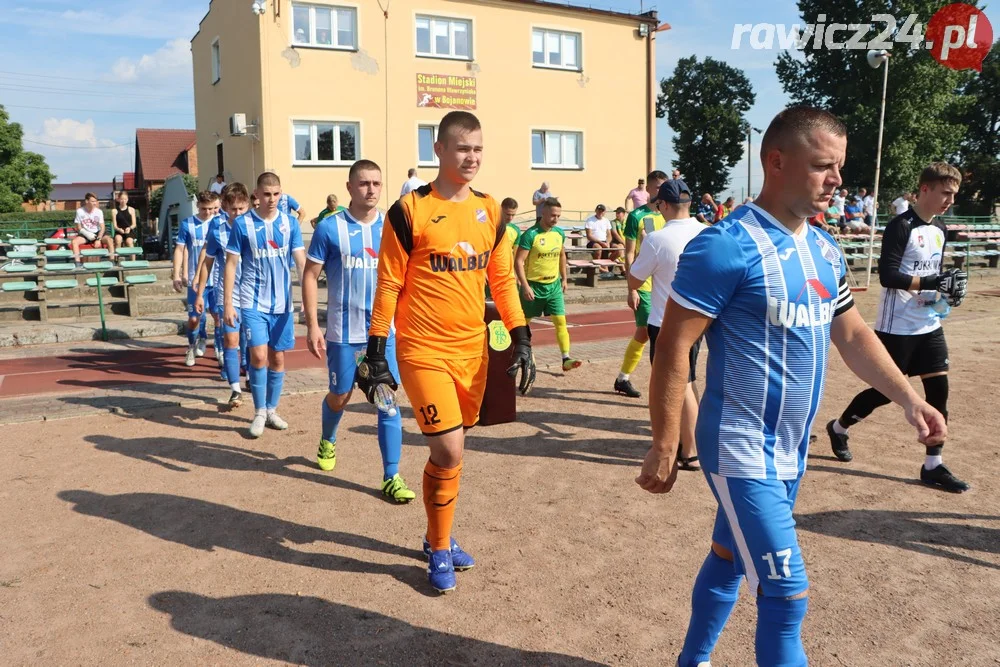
169,538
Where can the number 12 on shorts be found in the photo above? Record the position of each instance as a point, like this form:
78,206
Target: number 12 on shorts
784,556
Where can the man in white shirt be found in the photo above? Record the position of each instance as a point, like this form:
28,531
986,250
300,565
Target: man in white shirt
218,185
901,204
599,234
867,206
660,254
90,228
412,183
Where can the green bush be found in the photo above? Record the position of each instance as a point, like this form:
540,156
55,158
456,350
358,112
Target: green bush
46,216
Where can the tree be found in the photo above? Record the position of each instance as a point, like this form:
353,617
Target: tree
979,154
24,176
156,199
924,107
704,103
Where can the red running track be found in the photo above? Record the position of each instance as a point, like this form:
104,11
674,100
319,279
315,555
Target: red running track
83,371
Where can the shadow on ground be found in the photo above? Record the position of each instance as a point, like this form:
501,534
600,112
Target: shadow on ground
313,631
932,533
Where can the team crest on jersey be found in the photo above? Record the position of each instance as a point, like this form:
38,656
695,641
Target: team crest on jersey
480,215
829,253
920,240
283,227
541,241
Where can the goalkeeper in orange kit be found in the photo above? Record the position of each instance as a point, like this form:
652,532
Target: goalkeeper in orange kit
442,242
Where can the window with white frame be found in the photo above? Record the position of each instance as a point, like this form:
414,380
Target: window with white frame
553,48
325,26
556,150
426,136
444,38
216,61
326,142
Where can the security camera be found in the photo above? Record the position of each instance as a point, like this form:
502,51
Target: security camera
259,7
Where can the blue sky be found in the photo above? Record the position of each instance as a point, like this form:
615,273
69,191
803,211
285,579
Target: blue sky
107,67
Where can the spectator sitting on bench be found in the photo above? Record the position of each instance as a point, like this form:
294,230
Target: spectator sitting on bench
90,229
618,234
124,221
833,215
599,234
854,217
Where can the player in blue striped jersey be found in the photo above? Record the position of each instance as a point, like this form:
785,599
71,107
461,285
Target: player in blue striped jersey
262,245
291,207
346,246
769,291
191,237
230,342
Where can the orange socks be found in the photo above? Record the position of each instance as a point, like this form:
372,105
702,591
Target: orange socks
440,494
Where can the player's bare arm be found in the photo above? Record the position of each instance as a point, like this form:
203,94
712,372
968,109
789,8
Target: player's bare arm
564,270
178,260
522,276
667,384
299,256
205,263
229,283
310,286
867,358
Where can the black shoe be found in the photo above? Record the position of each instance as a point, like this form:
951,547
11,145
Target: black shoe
838,443
625,387
942,478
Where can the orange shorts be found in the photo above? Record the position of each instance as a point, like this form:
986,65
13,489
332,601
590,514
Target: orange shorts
446,394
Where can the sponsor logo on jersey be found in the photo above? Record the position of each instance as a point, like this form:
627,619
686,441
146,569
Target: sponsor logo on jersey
463,257
792,314
785,254
272,251
360,261
931,264
438,219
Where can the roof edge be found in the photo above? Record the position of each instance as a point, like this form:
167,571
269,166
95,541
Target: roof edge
646,17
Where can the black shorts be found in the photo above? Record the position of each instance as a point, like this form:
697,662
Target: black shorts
692,354
920,354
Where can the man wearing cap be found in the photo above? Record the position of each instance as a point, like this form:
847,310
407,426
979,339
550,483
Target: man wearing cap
599,233
661,251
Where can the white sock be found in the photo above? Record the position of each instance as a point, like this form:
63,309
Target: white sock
235,386
838,429
623,377
261,412
271,411
932,462
565,356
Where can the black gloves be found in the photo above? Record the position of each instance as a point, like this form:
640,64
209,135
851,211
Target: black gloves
374,369
522,359
954,283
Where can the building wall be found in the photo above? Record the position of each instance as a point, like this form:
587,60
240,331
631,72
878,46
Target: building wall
607,101
237,91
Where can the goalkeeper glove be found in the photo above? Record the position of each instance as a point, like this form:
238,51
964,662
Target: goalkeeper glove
374,369
953,283
522,359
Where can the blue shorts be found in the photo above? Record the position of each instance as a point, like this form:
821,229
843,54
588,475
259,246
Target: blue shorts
210,304
342,361
754,522
226,329
275,331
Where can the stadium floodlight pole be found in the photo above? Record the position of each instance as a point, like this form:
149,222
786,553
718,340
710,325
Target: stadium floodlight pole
875,59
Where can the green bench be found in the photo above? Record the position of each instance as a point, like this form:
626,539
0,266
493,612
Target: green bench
94,252
22,242
58,254
63,266
22,254
129,252
20,268
62,284
134,264
105,282
98,266
26,286
143,279
56,241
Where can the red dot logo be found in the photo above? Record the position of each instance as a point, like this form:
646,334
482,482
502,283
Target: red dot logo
959,36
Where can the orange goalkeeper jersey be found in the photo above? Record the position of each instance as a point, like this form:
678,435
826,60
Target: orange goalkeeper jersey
433,264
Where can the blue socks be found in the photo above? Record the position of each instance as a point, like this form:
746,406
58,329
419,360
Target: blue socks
203,327
779,631
231,366
390,442
258,386
275,381
331,420
218,337
716,590
192,336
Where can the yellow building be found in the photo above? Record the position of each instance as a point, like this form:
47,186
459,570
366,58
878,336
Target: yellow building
566,95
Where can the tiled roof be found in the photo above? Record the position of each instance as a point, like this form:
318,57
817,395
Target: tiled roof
76,191
162,152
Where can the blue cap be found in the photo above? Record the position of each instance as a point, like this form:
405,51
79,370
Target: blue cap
673,191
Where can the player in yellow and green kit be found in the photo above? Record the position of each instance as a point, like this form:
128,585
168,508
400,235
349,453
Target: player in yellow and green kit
512,233
641,221
540,265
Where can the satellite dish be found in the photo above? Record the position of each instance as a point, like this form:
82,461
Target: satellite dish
876,58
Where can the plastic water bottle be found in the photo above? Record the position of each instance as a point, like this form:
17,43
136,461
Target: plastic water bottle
940,308
385,400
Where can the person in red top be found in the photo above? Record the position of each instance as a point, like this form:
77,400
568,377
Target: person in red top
442,242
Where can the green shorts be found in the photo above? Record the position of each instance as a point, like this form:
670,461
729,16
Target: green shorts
642,312
548,300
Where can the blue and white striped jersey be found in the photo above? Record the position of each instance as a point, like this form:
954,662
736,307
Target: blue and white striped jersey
287,204
193,234
215,247
265,249
348,250
773,296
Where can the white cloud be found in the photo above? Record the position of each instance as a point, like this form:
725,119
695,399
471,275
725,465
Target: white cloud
75,151
172,61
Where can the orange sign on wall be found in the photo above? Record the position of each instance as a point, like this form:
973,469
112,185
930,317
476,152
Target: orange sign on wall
443,91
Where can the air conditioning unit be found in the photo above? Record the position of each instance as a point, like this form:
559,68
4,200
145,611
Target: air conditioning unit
238,124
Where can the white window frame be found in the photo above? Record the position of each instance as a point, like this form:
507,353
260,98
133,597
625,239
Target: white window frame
451,21
545,54
314,142
334,26
216,51
556,135
434,162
